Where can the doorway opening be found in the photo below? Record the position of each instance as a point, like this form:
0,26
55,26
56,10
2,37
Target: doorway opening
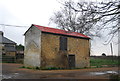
71,60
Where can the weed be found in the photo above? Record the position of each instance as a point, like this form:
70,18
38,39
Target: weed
22,67
26,67
29,68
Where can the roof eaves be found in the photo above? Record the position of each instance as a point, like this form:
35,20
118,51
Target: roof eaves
82,35
66,35
28,29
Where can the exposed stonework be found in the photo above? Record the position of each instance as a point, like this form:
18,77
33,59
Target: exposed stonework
52,57
79,47
42,49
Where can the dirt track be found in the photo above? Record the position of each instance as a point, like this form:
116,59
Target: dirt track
12,71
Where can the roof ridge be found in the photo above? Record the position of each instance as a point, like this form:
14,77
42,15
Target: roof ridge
60,31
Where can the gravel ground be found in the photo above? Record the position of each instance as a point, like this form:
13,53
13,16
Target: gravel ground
12,71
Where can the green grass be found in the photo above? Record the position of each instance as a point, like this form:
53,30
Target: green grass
26,67
38,68
50,68
99,62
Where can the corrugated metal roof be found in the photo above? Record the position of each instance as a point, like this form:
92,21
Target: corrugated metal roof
59,31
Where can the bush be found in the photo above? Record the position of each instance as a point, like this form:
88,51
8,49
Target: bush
37,68
22,67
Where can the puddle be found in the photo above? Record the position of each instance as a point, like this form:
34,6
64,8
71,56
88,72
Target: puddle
10,76
6,76
97,73
112,72
16,73
102,73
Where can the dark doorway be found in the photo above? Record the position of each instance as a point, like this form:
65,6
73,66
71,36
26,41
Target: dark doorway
71,61
63,43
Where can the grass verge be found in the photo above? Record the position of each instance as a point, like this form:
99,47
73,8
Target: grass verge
96,62
103,62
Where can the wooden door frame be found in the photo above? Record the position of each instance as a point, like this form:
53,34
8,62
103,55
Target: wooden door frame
74,60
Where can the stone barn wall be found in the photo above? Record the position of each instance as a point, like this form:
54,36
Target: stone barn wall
53,57
79,47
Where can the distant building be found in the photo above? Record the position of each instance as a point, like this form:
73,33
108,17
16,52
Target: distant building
20,52
7,45
20,49
50,47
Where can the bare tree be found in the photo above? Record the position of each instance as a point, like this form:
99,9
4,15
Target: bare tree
71,19
106,13
89,17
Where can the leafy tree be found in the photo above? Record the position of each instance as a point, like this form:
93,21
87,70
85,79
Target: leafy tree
103,54
20,47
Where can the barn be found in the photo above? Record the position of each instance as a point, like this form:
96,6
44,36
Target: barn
49,47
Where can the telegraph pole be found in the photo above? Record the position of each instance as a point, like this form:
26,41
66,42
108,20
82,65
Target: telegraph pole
112,51
111,48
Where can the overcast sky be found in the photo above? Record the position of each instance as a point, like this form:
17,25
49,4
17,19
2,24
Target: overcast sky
27,12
